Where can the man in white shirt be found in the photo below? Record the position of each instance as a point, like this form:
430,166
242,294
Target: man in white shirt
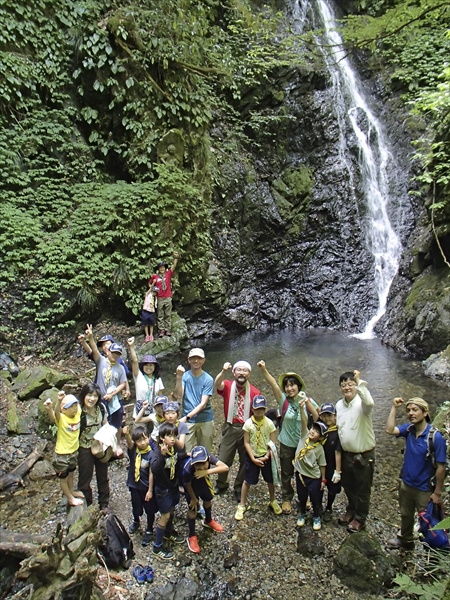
354,421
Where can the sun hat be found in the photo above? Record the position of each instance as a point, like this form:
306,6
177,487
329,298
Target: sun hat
161,264
321,428
291,374
196,352
149,359
259,402
116,348
327,407
199,454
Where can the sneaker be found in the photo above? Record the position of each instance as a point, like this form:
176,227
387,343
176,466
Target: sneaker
162,552
317,524
286,507
193,546
327,516
168,333
275,507
214,526
161,334
147,338
201,513
147,538
301,520
240,512
149,574
133,527
173,536
150,338
139,574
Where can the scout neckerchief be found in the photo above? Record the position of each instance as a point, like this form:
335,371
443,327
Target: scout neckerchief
332,428
259,440
150,395
108,372
306,448
160,420
172,461
137,465
163,282
239,403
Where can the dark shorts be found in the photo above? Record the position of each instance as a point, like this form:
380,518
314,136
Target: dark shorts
65,464
252,472
116,418
148,318
166,499
201,490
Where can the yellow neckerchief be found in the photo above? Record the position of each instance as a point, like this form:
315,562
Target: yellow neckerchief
331,428
259,439
160,420
173,461
108,372
137,464
306,448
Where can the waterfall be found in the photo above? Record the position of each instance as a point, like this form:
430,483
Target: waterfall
374,156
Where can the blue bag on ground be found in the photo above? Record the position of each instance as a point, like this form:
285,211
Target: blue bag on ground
427,520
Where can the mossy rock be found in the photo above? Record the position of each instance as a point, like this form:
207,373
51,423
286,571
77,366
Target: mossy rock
45,426
15,423
32,382
361,564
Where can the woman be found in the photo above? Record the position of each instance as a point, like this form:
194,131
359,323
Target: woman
289,437
93,416
147,381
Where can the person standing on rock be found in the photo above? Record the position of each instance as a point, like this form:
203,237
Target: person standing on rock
416,488
237,401
194,388
162,280
354,422
290,433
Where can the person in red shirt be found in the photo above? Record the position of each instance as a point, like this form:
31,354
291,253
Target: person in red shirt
162,280
237,401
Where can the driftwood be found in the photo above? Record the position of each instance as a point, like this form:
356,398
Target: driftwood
20,544
15,476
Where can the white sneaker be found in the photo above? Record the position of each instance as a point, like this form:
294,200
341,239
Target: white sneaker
240,512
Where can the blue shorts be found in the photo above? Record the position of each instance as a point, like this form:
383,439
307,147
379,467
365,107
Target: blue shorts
201,489
148,318
252,471
166,499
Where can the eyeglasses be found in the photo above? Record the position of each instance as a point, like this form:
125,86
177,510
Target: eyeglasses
348,385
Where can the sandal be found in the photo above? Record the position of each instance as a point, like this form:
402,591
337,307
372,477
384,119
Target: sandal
139,574
286,507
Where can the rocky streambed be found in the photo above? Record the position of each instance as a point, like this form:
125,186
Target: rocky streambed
263,556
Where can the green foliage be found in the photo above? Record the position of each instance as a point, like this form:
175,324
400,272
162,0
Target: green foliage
423,591
445,524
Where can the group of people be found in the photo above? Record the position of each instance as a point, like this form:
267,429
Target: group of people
320,447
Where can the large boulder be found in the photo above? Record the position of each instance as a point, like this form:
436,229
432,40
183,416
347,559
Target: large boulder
437,366
361,564
31,382
16,423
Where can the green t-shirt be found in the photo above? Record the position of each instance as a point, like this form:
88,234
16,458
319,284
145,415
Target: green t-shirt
292,422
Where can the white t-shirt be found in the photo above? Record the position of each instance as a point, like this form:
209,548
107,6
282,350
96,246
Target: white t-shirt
144,393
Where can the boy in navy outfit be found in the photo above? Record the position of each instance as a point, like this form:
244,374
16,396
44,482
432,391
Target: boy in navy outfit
197,482
166,463
332,448
140,480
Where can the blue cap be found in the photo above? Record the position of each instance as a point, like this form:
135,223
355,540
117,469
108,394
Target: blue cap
327,408
171,406
199,454
259,402
116,348
106,338
321,428
161,400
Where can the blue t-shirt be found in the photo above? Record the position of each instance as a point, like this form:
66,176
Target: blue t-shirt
194,389
115,378
417,467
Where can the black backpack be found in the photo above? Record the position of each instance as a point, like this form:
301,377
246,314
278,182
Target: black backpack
116,547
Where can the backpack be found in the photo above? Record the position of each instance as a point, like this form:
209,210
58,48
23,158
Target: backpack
116,547
427,520
430,454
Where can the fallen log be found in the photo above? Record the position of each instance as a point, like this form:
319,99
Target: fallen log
20,544
16,475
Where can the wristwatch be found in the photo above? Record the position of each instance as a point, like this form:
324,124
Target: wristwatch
188,418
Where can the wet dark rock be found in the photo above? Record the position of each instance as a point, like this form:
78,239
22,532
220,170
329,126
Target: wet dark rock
437,366
362,565
309,543
232,559
31,382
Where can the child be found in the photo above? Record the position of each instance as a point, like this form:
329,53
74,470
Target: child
197,483
154,419
111,379
148,314
309,467
147,381
93,417
66,415
258,432
165,464
103,345
140,480
171,412
332,448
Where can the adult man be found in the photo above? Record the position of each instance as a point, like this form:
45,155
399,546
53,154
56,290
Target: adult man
237,401
162,280
195,388
354,422
415,488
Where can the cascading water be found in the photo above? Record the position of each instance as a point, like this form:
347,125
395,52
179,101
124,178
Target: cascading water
374,155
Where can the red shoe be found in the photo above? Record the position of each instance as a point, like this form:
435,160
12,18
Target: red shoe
214,526
192,543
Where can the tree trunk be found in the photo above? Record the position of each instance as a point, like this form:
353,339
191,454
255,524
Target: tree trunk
15,476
